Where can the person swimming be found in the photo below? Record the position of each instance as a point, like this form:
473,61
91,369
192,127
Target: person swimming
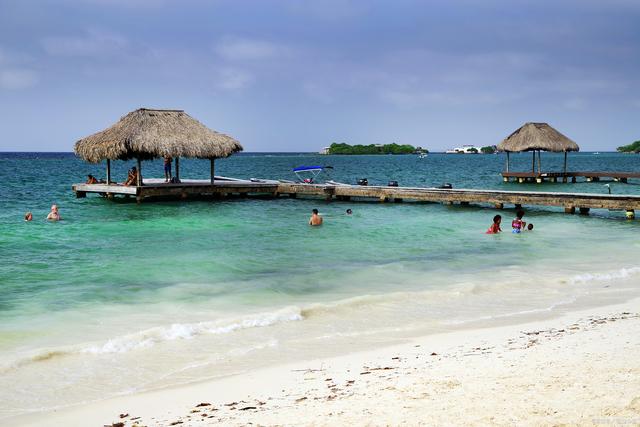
54,215
349,212
495,227
529,227
518,224
315,219
28,216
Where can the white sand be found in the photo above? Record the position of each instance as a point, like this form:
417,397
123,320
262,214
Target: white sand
580,369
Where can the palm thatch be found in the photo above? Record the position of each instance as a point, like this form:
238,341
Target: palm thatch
148,134
537,137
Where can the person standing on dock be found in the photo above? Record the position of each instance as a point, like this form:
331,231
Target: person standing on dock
167,168
315,219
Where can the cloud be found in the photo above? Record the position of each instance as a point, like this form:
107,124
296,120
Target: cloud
233,79
93,43
242,49
16,78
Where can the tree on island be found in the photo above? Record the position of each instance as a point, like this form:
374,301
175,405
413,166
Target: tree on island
342,148
631,148
490,149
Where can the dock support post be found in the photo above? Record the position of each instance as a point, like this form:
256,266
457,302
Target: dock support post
518,206
464,203
565,166
630,214
178,169
553,179
584,211
539,180
505,179
564,179
507,162
570,209
520,180
108,171
533,162
81,194
383,199
213,168
539,163
623,180
573,179
589,179
499,205
139,179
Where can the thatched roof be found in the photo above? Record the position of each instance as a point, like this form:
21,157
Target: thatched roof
149,134
537,136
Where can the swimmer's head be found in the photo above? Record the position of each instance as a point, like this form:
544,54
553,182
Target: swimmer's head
28,216
315,211
349,211
530,227
54,208
497,219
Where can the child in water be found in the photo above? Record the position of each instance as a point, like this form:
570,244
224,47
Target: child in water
518,224
495,227
530,227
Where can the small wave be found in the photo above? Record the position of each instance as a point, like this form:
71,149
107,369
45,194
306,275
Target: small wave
176,331
152,336
623,273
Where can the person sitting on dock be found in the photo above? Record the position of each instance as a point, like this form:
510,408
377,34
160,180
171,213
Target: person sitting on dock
495,227
54,215
91,179
167,168
315,219
518,224
132,178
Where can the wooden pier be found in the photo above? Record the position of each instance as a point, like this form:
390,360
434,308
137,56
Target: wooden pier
158,189
540,177
226,187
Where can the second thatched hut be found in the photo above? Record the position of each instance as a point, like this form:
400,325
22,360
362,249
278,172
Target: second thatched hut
537,137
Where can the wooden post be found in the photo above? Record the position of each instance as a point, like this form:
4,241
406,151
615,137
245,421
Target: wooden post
539,163
507,161
533,162
212,170
565,165
584,211
108,171
499,205
139,180
178,169
570,209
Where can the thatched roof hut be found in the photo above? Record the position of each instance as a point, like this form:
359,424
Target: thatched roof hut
537,137
147,134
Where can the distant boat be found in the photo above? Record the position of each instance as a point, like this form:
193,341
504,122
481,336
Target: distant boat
422,155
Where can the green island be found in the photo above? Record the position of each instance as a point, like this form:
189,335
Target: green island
631,148
342,148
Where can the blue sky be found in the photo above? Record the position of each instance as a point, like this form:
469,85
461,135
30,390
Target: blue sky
295,76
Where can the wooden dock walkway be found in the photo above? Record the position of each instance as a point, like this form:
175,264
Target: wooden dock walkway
227,187
540,177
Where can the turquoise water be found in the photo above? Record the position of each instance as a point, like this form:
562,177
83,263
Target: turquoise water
120,297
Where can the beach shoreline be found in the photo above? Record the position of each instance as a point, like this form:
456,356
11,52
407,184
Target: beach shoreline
576,369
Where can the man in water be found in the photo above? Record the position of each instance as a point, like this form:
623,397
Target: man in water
54,215
315,218
349,212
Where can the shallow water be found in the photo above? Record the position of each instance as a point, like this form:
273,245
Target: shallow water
121,297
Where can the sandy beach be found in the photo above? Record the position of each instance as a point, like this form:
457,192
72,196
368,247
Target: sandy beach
578,369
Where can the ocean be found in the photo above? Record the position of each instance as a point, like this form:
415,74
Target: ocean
120,298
